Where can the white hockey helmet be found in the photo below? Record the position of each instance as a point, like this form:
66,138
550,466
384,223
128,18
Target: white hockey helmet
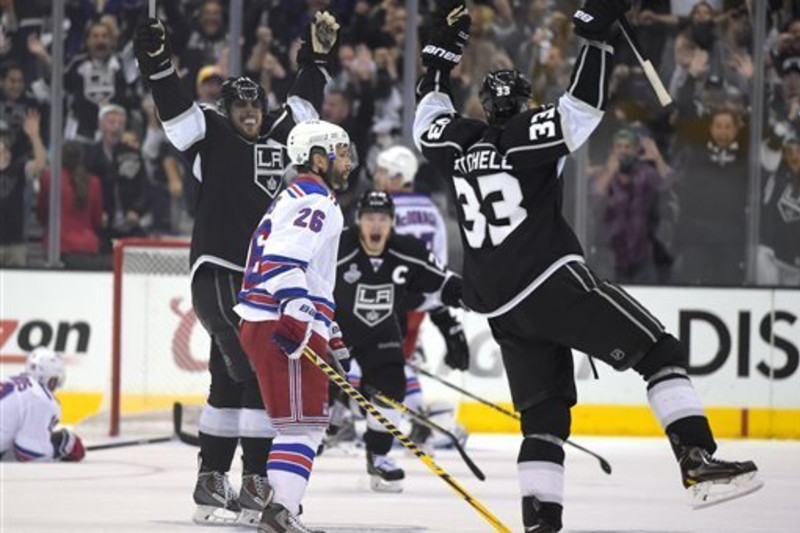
399,160
314,134
47,367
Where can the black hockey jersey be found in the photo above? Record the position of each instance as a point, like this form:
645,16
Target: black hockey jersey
238,178
506,182
370,290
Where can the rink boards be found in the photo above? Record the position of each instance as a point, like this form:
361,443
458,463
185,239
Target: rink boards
744,349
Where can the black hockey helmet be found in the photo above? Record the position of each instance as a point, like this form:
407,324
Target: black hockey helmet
503,94
242,88
375,202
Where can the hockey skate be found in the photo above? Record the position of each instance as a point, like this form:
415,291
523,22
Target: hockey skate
385,475
533,516
217,503
710,481
277,519
253,497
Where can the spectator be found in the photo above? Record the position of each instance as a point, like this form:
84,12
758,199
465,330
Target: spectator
14,104
200,43
209,84
627,191
712,187
93,80
15,172
82,213
120,167
779,248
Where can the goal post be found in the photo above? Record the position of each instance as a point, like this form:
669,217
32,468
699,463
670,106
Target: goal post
159,349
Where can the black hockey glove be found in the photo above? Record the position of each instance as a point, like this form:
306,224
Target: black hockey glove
448,34
152,50
594,20
320,39
457,356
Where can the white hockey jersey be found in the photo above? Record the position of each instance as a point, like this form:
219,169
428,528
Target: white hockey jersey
293,254
418,216
28,414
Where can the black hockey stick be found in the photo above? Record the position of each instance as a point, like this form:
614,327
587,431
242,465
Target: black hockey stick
605,465
431,424
177,424
126,443
341,382
647,66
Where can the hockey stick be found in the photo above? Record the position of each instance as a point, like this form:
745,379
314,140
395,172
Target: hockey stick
605,465
647,66
126,443
177,425
151,9
431,424
359,398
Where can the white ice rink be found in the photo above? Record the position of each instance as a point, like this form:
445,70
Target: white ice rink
148,489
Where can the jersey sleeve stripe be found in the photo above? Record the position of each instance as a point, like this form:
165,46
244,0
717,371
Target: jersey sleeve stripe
286,260
290,292
187,128
23,454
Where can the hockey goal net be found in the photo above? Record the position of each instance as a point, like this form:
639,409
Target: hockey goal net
160,350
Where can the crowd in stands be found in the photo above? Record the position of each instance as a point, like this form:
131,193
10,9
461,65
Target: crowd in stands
670,193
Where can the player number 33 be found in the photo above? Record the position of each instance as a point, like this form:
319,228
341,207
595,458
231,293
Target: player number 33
500,197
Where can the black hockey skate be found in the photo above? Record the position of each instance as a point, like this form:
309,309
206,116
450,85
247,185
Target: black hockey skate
217,502
535,515
709,481
254,495
384,474
277,519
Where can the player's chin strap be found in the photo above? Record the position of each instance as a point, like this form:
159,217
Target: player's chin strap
365,404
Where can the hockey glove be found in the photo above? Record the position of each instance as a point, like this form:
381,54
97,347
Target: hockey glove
448,35
594,20
294,326
457,356
152,50
320,38
338,348
67,446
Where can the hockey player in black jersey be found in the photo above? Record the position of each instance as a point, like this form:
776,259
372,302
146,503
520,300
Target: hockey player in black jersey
375,270
237,154
506,182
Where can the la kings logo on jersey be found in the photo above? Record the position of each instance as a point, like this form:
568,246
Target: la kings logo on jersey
269,165
374,303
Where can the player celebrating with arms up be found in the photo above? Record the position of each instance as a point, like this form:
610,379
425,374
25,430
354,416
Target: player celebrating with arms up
29,412
238,156
377,268
506,180
286,304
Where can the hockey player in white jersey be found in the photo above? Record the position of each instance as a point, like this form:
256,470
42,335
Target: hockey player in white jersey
417,215
286,303
29,412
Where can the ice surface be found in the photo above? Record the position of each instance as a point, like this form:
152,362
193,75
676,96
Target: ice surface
148,489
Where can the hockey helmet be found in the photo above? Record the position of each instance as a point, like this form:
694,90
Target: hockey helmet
399,160
375,202
242,88
47,367
311,134
503,94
